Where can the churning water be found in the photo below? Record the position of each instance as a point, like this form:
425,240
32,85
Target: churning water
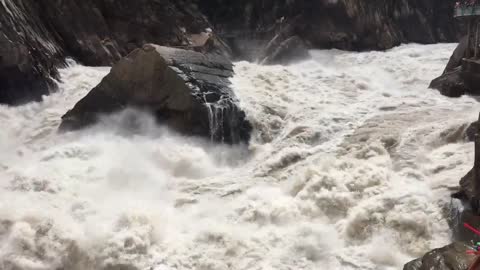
349,167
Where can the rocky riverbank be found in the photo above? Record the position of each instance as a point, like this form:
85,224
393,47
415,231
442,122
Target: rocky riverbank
36,37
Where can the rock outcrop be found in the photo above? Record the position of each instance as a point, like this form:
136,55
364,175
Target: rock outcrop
461,76
451,257
469,193
451,83
454,256
286,52
189,91
342,24
36,36
472,131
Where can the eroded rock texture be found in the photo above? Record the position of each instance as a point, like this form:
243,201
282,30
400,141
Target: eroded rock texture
189,91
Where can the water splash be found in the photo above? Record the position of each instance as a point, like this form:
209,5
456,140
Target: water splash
341,163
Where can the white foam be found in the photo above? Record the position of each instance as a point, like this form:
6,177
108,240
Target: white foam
349,168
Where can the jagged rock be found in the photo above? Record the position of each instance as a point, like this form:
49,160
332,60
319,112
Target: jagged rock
27,54
187,90
342,24
36,36
472,131
451,83
458,54
461,76
451,257
468,193
291,50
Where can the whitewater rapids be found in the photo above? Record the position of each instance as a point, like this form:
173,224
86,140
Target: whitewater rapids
350,167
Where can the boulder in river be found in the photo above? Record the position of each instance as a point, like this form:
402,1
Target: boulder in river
472,131
187,90
36,36
451,257
451,83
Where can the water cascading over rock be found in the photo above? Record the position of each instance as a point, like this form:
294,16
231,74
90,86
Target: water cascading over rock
188,91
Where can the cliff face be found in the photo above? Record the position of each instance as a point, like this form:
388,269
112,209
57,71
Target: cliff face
35,36
343,24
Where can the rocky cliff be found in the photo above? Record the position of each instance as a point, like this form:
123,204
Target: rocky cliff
454,256
36,36
343,24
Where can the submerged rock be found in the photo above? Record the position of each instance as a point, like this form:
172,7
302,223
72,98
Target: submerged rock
451,257
187,90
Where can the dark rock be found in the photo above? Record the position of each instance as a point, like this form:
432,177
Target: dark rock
461,76
99,32
342,24
451,84
451,257
36,36
471,75
458,54
469,193
472,131
28,56
187,90
291,50
460,232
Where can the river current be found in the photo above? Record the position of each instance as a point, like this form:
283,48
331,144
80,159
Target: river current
350,167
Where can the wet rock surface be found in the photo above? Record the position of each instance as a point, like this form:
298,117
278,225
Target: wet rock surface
35,37
461,75
451,257
472,131
454,256
288,51
186,90
451,84
343,24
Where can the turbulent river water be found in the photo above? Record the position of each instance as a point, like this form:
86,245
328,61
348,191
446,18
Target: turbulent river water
349,167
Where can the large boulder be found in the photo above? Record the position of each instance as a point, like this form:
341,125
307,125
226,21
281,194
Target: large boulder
451,83
461,76
187,90
451,257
